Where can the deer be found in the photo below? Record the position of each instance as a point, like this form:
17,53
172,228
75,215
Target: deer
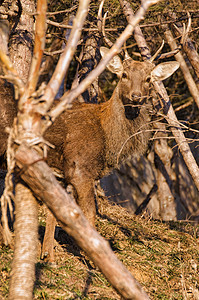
92,139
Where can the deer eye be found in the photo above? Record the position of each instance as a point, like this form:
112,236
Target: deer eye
148,79
124,75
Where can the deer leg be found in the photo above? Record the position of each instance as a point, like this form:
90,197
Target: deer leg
48,242
86,198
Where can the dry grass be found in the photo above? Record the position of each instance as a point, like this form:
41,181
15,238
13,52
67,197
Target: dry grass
163,257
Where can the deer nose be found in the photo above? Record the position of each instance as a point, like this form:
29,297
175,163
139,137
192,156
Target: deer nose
136,96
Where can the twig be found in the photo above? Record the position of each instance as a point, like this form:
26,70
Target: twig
60,25
144,204
184,105
62,11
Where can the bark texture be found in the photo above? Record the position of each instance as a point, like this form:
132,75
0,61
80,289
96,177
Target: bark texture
26,242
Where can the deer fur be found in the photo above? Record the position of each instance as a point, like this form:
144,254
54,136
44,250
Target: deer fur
7,113
92,139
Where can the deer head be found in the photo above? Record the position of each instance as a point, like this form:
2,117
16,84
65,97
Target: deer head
135,78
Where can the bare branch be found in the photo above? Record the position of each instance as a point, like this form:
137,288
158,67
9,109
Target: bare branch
99,16
157,52
62,11
107,41
11,73
183,106
60,25
38,50
128,12
65,59
145,52
186,30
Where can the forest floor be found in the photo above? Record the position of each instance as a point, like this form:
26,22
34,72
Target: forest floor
162,256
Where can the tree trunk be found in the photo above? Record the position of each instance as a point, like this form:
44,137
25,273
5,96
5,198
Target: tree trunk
163,156
26,242
26,228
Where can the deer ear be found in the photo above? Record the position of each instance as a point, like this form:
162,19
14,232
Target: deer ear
164,70
115,65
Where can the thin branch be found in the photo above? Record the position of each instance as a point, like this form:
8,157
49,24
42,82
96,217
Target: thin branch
11,73
95,29
99,16
178,124
62,11
54,52
60,25
65,59
38,51
128,12
183,106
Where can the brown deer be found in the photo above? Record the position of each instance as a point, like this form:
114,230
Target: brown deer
92,139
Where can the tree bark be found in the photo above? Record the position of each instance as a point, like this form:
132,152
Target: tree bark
40,179
21,40
26,242
166,195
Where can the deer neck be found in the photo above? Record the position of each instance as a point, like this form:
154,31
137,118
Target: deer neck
115,127
123,137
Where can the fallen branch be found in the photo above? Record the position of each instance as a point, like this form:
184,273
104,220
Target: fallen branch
41,180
